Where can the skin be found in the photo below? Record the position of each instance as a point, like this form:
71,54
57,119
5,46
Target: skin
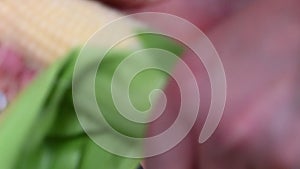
258,43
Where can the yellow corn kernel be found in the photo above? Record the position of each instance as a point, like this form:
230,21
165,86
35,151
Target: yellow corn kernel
45,30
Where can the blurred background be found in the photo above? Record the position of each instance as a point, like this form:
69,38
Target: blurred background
258,42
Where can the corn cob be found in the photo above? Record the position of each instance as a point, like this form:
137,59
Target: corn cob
45,30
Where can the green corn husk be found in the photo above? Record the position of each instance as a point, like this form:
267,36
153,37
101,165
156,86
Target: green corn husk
40,130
